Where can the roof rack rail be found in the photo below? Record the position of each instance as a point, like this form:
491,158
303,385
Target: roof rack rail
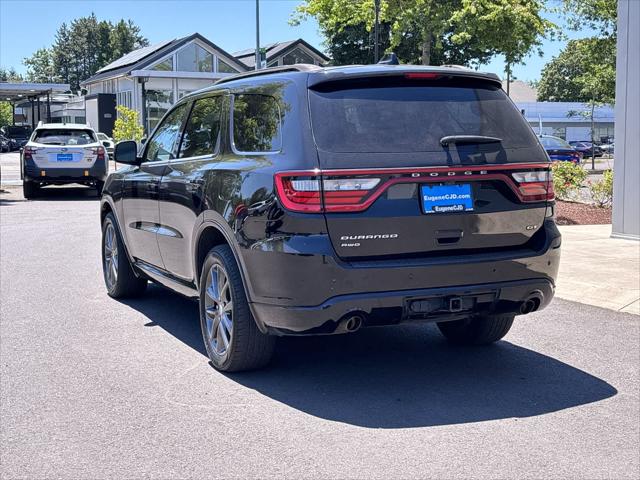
459,67
298,67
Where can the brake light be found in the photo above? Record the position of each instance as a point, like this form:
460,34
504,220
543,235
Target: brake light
312,193
421,75
534,186
99,151
28,153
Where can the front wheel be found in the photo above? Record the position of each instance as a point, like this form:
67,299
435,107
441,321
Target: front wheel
231,336
99,186
480,330
119,277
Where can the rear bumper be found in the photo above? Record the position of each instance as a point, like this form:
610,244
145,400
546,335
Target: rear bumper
58,175
295,293
387,308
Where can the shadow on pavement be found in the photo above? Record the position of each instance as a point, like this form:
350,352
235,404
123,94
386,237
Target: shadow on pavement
66,193
396,377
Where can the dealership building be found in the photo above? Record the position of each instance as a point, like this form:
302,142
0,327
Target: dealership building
151,79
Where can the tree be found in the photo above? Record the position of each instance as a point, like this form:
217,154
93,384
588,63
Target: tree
10,75
82,47
431,32
40,66
127,126
585,70
597,14
6,114
125,37
508,27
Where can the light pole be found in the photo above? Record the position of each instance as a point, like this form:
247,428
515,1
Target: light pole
375,31
258,59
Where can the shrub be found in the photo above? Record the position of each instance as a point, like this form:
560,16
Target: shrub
127,126
568,177
602,190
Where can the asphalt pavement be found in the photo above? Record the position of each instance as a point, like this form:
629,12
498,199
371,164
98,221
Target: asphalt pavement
91,387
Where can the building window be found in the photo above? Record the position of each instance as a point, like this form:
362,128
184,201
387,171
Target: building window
224,67
256,123
165,66
194,58
158,103
297,55
125,99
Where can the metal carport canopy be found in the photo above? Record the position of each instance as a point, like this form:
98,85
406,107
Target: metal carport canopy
14,92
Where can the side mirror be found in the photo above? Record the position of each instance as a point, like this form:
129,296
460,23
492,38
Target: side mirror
106,144
126,152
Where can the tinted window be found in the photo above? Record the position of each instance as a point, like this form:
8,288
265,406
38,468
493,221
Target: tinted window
554,142
398,115
256,123
64,136
202,132
161,145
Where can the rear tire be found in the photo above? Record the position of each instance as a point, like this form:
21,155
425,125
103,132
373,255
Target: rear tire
30,189
232,338
99,187
119,277
477,330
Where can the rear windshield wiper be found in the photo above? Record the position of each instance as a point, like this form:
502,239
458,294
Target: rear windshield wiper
445,141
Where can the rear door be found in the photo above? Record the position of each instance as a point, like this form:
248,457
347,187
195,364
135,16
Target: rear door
182,185
140,190
426,165
65,148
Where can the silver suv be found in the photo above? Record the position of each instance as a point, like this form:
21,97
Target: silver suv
59,154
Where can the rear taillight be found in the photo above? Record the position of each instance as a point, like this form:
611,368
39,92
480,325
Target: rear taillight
534,186
317,191
309,192
28,153
99,151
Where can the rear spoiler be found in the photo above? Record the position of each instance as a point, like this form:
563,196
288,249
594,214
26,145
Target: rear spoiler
382,71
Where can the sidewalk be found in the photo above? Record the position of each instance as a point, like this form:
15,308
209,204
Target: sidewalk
599,270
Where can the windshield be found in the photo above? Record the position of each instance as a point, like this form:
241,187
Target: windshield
66,136
398,115
554,142
102,137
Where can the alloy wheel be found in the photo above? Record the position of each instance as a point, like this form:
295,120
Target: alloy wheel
218,310
110,256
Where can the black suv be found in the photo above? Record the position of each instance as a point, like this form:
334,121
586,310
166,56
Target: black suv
307,200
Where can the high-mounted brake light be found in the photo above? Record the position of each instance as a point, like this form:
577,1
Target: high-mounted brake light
421,75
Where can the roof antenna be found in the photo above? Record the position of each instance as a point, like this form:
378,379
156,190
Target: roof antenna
389,59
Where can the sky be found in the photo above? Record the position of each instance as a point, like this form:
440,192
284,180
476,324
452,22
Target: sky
26,25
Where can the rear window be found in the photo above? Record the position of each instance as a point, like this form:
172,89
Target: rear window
397,115
64,136
554,142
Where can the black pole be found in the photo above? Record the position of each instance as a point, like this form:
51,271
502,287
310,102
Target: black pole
144,107
48,107
13,113
33,114
38,102
376,33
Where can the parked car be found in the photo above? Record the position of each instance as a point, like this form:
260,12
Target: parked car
17,135
585,148
59,154
559,150
608,148
107,142
425,197
5,144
